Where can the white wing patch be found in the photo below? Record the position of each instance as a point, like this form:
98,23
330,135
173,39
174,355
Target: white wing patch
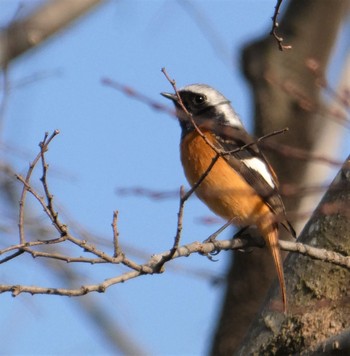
259,166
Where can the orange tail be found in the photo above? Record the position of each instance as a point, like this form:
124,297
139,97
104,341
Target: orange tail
269,231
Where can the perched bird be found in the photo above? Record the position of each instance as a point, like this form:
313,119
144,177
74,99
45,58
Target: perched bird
241,184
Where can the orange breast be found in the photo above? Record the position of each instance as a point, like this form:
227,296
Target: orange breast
224,191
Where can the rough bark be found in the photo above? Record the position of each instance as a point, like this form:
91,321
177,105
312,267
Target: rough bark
318,293
285,95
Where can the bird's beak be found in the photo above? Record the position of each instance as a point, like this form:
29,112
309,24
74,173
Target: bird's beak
170,96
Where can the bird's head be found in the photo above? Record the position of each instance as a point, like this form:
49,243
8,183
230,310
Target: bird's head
205,104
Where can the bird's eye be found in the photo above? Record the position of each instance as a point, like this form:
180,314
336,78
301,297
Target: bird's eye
199,99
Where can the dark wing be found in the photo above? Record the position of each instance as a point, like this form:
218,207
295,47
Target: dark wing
246,158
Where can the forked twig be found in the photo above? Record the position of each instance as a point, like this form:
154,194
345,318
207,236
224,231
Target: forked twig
44,145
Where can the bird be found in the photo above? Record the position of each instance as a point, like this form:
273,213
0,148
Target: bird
241,185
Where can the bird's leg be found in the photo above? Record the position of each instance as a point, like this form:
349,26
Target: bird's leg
213,236
212,239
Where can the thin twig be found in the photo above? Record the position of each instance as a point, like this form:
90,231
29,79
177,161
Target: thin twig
179,219
12,256
30,244
178,231
146,192
202,177
137,95
53,216
46,141
45,167
180,102
63,230
117,249
275,25
299,153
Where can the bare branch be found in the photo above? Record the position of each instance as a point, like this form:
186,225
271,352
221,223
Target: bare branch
44,144
117,249
275,26
320,254
153,265
127,90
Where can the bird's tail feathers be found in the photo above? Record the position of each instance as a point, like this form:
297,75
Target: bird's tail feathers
269,230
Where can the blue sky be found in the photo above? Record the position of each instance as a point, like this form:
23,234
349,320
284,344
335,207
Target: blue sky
109,141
